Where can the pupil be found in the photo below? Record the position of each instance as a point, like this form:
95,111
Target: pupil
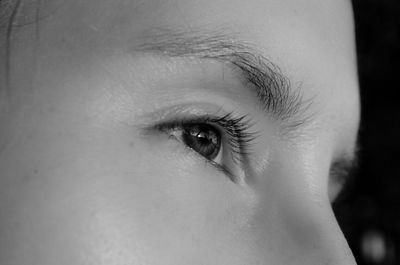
204,139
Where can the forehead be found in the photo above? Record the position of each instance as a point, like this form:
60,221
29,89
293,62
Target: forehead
310,40
301,36
283,24
293,33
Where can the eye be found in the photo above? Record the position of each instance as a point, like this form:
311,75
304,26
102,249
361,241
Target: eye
203,139
221,141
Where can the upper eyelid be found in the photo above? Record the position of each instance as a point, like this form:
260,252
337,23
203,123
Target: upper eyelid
211,120
243,124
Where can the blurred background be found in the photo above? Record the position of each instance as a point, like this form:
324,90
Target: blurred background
369,209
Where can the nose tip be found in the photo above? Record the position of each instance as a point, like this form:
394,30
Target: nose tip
335,246
313,228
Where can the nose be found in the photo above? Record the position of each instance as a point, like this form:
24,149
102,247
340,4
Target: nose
314,228
333,241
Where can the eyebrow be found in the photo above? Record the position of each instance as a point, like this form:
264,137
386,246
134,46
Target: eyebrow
273,89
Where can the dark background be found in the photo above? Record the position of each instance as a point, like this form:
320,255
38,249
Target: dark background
369,209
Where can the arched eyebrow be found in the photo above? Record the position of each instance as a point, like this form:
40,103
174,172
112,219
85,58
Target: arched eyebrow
273,89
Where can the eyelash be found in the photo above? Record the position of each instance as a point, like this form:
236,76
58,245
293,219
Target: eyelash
236,130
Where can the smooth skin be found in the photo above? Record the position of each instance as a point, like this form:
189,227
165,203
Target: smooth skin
82,181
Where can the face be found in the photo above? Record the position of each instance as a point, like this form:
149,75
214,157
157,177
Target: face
177,132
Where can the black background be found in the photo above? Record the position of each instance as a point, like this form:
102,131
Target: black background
371,203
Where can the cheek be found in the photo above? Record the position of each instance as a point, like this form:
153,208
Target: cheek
114,197
177,206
